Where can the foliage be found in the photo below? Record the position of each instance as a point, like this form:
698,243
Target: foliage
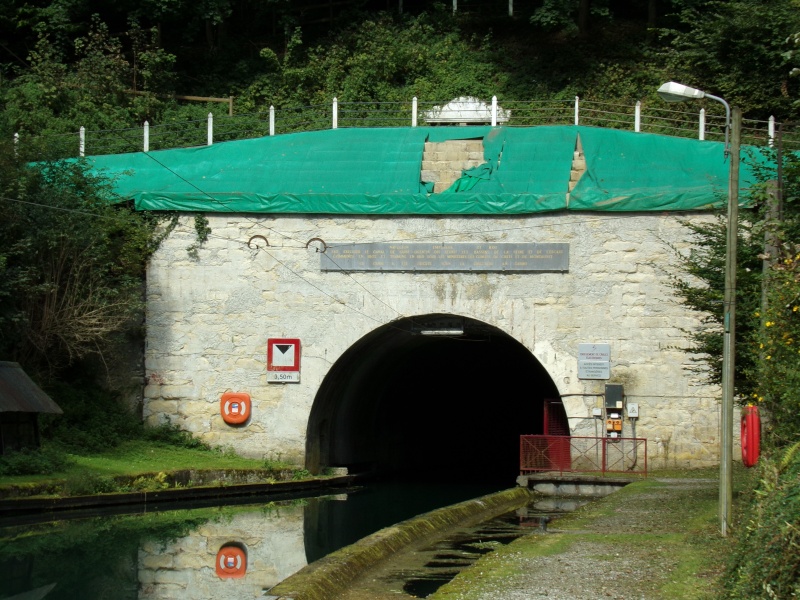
28,461
166,433
72,265
382,58
737,50
568,14
150,483
701,287
88,484
94,84
94,418
779,342
301,474
778,368
766,559
202,230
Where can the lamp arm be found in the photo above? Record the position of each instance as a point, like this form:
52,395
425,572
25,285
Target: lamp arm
727,121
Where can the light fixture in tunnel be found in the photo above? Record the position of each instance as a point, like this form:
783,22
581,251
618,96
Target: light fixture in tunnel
451,331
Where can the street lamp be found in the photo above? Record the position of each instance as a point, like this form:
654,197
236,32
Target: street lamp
676,92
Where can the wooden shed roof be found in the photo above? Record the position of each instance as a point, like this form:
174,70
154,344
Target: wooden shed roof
18,392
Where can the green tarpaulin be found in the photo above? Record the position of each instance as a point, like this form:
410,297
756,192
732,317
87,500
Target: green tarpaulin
378,171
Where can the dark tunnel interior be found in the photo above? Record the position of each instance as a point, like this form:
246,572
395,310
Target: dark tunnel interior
436,396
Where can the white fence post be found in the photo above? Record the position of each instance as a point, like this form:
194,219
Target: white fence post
455,6
210,136
272,120
702,124
510,8
414,111
637,119
146,140
577,110
771,130
494,111
82,142
16,143
335,113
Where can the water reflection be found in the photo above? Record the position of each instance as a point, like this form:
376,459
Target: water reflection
166,555
192,554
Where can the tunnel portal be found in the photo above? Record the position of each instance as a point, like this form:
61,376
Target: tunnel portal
435,395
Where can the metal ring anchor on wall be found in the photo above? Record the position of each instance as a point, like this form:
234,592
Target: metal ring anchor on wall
321,241
257,247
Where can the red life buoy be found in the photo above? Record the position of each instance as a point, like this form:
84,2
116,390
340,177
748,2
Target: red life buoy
231,562
235,407
751,435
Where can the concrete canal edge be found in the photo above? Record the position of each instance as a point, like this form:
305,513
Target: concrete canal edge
334,573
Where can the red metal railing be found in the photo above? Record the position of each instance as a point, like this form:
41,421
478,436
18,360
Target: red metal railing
582,454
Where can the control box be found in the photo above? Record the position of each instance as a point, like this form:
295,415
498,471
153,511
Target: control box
615,394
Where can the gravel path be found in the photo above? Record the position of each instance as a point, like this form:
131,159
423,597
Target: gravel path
627,547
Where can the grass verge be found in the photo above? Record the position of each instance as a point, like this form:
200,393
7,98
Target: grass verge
134,464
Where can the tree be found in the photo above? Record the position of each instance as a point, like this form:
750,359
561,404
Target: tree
91,86
737,50
701,287
71,264
778,341
566,14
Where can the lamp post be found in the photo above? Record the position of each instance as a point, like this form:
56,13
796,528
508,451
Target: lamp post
676,92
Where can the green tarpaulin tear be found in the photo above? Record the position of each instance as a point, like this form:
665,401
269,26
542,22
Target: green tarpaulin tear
377,171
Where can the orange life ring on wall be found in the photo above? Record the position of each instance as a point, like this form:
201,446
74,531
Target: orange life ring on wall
231,562
751,436
235,407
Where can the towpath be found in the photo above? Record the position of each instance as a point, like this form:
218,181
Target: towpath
655,539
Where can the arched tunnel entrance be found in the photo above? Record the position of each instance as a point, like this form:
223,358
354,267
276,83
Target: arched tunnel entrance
435,395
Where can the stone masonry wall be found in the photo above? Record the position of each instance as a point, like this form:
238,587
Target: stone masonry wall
208,319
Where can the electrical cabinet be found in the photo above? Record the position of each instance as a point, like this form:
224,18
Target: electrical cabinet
615,397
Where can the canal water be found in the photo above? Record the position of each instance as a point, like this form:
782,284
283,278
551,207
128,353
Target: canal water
231,551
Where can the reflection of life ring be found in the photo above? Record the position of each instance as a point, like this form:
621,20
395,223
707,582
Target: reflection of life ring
231,562
751,436
235,407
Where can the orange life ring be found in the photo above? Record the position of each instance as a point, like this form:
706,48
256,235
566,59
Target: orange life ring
751,436
231,562
235,407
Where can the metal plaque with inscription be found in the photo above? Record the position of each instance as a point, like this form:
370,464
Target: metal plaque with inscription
387,256
594,361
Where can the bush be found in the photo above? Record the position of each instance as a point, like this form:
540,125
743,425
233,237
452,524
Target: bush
88,484
30,461
170,434
94,418
766,560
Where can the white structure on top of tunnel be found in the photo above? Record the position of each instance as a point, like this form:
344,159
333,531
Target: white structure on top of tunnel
261,275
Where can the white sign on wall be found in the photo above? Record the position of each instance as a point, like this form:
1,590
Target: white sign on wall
283,360
594,361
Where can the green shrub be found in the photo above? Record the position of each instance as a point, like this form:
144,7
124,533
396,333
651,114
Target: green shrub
766,559
170,434
150,482
301,474
87,484
94,418
29,461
